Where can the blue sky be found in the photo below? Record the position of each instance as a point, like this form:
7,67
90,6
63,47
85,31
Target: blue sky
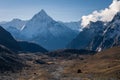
62,10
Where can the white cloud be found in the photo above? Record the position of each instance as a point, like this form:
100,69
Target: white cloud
105,15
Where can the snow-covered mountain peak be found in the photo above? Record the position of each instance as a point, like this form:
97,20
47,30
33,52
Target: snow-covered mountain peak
38,24
42,16
42,12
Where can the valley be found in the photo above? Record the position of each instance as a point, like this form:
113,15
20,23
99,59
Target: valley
43,48
101,66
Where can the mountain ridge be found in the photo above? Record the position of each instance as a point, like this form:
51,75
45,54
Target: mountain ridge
98,35
47,32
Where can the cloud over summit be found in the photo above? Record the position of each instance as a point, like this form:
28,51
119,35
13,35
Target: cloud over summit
105,15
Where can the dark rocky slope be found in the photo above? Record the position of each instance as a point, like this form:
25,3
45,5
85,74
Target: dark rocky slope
9,61
31,47
7,40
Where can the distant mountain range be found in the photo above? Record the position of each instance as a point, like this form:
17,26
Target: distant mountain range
53,35
43,30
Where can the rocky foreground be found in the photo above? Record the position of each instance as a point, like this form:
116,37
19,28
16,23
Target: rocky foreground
53,66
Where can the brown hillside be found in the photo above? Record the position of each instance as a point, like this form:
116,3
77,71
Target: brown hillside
103,65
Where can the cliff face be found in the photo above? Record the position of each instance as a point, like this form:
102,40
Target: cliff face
98,36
